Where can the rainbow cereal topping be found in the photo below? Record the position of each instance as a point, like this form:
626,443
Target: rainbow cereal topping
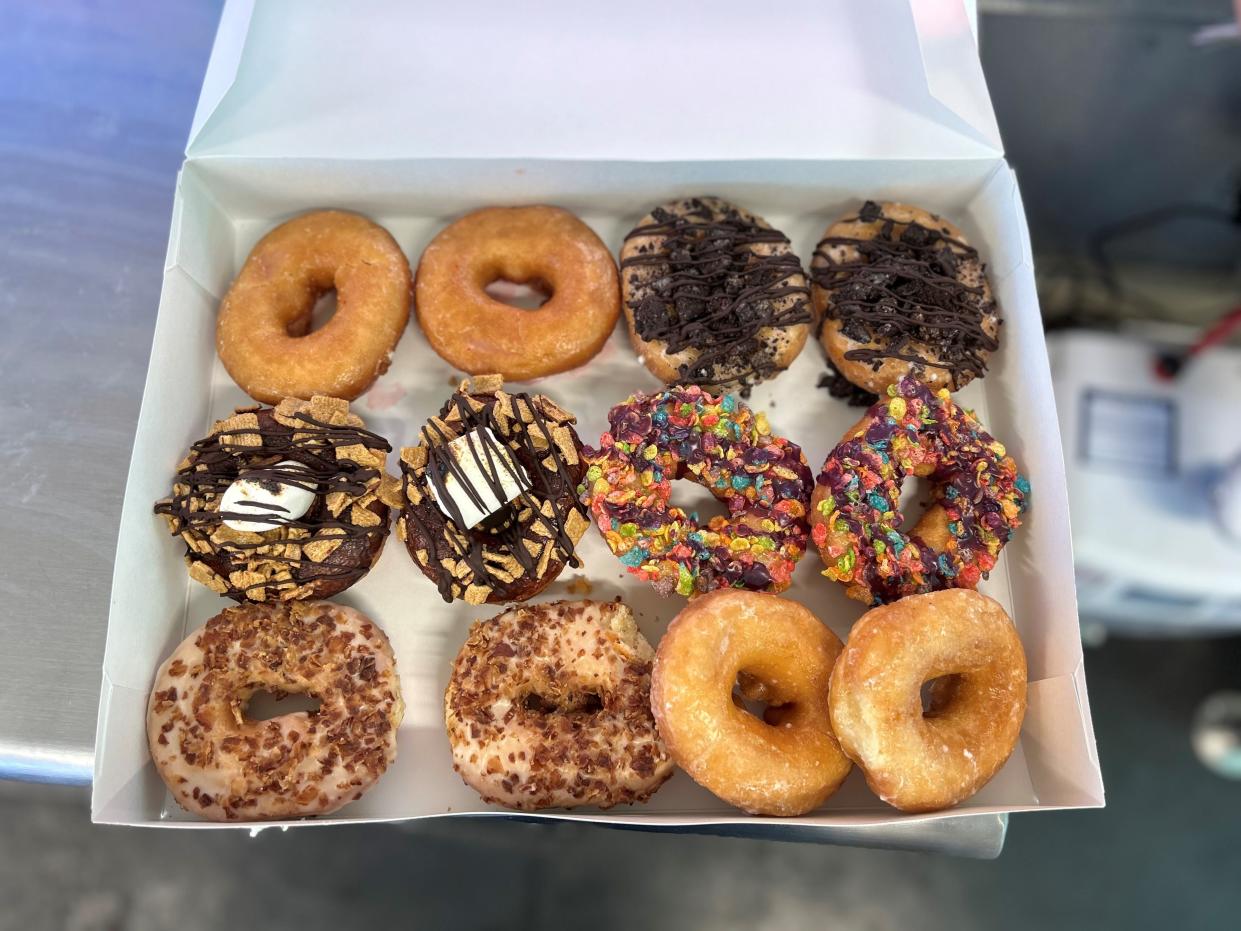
718,442
977,498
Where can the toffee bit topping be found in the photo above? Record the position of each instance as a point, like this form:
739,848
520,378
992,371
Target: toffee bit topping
710,279
905,291
522,438
317,446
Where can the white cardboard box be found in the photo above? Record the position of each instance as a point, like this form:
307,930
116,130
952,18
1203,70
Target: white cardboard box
797,111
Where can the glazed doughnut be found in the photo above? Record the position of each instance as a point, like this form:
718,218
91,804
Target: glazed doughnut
719,443
549,707
977,498
483,441
224,766
263,332
900,292
316,449
713,295
546,247
775,651
967,646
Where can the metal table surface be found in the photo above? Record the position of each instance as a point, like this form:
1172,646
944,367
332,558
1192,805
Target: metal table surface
94,109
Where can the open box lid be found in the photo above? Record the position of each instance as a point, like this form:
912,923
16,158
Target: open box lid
646,80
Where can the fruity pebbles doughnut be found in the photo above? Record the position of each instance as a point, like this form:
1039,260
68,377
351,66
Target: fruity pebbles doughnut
977,498
721,444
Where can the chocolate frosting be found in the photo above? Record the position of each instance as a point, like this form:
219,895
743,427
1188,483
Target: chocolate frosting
904,293
707,288
248,565
537,530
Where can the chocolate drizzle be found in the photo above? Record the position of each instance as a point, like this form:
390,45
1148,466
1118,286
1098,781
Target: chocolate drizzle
708,283
905,294
254,452
535,529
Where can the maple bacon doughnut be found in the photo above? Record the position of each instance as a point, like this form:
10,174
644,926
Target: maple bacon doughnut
774,651
546,247
225,766
966,646
977,498
549,707
263,332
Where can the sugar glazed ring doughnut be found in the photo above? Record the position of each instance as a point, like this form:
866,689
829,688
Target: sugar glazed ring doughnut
546,247
224,766
774,651
263,331
977,498
713,295
549,707
966,645
900,292
316,450
490,510
718,442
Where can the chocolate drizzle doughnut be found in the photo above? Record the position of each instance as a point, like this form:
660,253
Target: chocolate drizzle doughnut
316,555
515,552
901,292
713,295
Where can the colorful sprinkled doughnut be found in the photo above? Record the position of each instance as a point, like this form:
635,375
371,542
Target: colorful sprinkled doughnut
721,444
977,498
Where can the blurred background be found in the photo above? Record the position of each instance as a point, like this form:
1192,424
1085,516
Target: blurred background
1123,121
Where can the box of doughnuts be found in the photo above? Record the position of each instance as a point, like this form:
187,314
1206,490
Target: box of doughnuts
560,417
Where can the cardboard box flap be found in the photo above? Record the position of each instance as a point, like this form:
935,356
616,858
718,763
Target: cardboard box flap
652,81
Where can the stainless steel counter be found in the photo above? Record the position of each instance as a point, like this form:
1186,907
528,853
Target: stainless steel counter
95,104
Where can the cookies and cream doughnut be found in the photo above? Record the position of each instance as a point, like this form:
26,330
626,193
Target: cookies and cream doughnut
549,707
544,246
225,766
263,331
713,295
966,646
977,498
900,292
771,650
718,442
282,503
489,494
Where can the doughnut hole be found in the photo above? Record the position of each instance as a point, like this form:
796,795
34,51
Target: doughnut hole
693,498
265,704
754,696
524,295
583,702
938,694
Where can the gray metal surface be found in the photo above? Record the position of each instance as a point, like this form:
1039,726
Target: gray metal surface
94,109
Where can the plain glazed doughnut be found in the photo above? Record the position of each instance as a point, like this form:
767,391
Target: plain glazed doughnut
721,444
262,334
977,498
546,247
775,651
713,295
224,766
920,760
549,707
900,292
